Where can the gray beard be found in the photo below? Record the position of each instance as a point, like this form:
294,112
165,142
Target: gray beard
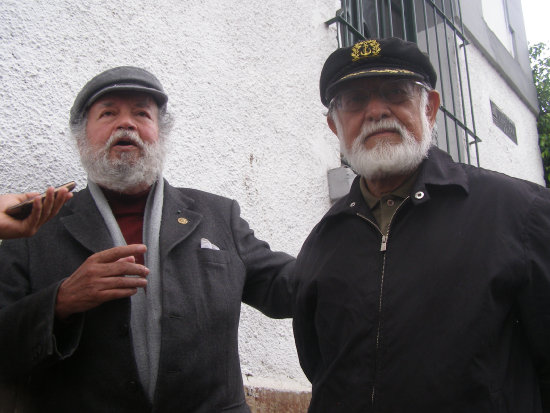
128,172
386,159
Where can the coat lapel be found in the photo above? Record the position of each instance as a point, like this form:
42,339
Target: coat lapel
178,219
86,224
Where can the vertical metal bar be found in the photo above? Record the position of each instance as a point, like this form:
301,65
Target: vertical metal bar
360,17
412,22
426,27
426,33
403,25
377,14
388,11
443,95
469,84
452,85
461,88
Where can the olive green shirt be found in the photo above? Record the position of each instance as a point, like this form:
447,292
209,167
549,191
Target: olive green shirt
384,208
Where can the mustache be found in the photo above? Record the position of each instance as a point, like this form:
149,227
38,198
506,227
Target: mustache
369,128
124,134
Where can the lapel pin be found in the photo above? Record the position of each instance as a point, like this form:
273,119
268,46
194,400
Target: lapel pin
183,221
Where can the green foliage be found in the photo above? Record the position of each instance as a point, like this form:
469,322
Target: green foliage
540,64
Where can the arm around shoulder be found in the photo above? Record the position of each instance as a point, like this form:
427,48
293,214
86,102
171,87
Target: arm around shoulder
269,285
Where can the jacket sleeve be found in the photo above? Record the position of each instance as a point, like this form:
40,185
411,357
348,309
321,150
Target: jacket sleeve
534,299
30,337
269,275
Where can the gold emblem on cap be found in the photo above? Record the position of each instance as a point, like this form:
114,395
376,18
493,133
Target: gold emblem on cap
183,221
366,48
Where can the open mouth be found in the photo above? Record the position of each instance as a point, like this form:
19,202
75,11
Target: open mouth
125,142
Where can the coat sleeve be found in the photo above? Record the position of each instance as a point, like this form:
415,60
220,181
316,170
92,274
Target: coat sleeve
269,275
30,337
534,299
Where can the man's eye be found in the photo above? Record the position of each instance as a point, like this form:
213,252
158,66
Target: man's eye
397,91
356,98
107,113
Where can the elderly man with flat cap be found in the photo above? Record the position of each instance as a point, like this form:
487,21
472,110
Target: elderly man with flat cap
129,299
427,288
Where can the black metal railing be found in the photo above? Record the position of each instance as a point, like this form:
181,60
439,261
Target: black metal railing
436,26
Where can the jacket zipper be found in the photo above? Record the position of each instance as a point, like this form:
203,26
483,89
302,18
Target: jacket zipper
383,248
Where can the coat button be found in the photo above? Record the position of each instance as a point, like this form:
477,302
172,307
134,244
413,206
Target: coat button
132,386
123,330
419,195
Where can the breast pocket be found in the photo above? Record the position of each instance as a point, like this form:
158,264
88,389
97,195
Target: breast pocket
219,286
212,257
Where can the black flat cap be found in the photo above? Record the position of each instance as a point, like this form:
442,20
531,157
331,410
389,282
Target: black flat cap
117,79
375,57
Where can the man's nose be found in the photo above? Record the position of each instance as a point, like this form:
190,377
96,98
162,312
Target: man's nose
126,121
377,108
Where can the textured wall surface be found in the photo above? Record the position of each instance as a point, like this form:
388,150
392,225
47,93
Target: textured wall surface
497,151
242,80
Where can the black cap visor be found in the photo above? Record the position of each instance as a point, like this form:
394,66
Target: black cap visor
372,72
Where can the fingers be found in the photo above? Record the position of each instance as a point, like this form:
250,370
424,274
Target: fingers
128,259
102,278
32,222
43,209
52,203
63,195
116,253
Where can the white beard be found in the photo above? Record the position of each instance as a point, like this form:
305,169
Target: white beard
386,159
128,172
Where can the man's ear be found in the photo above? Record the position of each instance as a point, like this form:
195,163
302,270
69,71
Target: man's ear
432,106
332,125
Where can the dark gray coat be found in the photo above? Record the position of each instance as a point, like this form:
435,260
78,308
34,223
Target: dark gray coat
88,365
450,315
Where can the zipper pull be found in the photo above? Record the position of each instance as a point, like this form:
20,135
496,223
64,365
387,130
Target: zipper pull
384,243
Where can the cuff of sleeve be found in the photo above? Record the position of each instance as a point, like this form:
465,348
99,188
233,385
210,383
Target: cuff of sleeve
66,333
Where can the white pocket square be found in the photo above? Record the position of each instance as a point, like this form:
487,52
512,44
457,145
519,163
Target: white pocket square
208,245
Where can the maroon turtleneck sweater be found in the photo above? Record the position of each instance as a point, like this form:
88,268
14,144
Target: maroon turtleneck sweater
128,211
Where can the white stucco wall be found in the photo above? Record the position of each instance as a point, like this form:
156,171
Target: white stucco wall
497,151
242,80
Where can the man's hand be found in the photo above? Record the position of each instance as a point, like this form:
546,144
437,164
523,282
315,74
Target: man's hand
41,212
101,278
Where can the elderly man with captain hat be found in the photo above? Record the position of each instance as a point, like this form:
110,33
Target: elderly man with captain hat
427,287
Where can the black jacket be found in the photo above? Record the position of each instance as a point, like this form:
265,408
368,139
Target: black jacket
452,314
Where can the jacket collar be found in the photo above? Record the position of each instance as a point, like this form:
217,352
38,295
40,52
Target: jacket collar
437,171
